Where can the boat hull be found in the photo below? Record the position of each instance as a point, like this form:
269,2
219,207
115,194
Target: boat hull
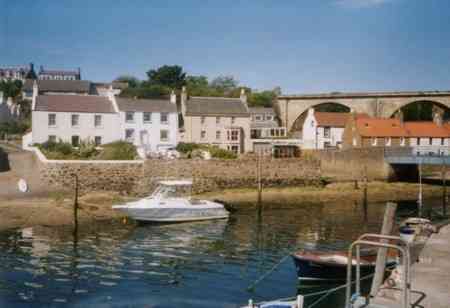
173,214
315,271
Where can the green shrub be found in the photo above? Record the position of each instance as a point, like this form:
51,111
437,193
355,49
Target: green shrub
188,147
217,152
87,149
13,128
119,150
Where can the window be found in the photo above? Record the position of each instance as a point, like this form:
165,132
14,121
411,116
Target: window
75,141
164,118
387,141
203,134
258,117
374,141
327,144
269,118
234,135
312,123
418,141
147,117
164,135
129,116
326,131
233,120
52,119
218,135
52,138
235,149
75,119
402,141
202,120
217,120
430,141
97,120
442,141
129,135
98,140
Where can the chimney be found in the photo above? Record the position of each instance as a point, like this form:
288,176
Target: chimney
35,94
243,97
183,100
173,97
437,118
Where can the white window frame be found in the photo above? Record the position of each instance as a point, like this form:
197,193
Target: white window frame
161,135
95,140
218,135
98,116
52,137
202,120
127,113
77,117
52,116
218,120
326,131
203,134
387,141
71,140
402,141
131,137
150,117
166,114
374,141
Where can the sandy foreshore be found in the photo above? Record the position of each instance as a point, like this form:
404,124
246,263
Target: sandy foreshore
56,209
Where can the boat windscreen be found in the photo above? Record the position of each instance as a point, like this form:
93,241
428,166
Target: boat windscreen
165,191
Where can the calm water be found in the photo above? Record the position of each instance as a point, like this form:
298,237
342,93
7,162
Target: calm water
209,264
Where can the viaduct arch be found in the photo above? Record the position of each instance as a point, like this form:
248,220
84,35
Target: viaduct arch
376,104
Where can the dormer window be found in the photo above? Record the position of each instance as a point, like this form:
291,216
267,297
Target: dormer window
387,141
374,141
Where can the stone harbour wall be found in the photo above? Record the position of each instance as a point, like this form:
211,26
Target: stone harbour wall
141,177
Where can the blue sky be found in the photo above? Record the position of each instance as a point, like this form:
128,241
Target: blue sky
302,46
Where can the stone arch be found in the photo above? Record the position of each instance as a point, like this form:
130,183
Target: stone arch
297,125
444,106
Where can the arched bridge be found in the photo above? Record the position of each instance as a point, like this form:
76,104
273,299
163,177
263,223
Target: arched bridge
377,104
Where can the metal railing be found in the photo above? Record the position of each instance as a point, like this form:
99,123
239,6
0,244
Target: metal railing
404,251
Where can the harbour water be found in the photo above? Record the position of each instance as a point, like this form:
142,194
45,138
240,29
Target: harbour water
205,264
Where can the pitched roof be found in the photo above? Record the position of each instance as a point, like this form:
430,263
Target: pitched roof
376,127
333,119
216,106
58,72
259,110
70,86
74,103
145,105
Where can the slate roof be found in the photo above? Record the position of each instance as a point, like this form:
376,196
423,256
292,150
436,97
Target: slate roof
261,110
376,127
145,105
68,86
216,106
74,103
332,119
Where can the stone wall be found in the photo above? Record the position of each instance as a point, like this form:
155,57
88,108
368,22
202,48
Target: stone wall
141,177
354,164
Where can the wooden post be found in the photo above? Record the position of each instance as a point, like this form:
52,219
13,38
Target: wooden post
75,206
258,174
386,229
444,190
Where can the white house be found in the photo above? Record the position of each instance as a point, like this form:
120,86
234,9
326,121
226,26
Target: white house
73,118
149,123
323,129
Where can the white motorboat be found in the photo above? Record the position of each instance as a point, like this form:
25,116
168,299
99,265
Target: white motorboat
172,202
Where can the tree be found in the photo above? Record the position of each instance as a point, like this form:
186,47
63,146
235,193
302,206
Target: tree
146,91
171,76
224,84
262,99
198,86
11,88
132,81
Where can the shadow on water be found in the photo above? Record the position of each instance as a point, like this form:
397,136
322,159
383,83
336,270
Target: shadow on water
201,264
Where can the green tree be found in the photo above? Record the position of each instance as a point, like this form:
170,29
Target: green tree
146,91
11,88
171,76
132,81
224,84
262,99
198,86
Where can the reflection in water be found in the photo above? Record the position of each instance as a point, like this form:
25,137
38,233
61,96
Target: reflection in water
191,265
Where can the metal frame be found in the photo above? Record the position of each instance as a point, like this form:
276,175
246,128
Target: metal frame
404,254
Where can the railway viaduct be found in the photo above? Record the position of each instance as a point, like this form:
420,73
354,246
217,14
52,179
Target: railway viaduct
291,108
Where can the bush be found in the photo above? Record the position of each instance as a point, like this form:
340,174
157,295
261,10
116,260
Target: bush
193,150
119,150
13,128
87,149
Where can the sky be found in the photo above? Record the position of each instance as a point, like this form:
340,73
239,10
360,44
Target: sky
303,46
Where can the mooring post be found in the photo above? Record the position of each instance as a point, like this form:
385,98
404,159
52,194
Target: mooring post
75,205
258,174
386,229
444,189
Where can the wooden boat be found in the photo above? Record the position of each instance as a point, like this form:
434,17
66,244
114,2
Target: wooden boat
323,266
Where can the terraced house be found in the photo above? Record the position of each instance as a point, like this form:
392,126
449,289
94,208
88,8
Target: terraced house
149,124
220,121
